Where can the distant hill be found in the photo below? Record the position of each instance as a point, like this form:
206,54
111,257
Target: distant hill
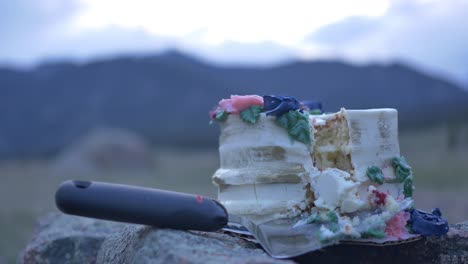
167,97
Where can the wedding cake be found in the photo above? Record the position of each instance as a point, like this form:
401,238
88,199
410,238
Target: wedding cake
282,158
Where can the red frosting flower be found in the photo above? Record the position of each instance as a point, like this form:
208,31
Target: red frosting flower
379,197
396,226
237,103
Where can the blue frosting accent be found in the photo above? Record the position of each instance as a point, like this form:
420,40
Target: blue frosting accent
278,105
427,224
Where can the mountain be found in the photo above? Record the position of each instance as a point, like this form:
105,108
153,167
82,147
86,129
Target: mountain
166,97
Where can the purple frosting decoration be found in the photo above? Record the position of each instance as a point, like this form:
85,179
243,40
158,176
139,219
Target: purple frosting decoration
278,105
427,224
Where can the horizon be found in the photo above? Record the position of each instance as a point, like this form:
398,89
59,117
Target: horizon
207,61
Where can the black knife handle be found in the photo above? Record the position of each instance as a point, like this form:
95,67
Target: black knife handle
138,205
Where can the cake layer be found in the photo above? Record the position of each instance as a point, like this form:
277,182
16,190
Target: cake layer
259,199
263,171
266,172
259,145
353,140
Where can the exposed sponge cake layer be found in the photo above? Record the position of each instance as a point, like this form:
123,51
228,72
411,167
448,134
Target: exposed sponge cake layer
353,140
331,143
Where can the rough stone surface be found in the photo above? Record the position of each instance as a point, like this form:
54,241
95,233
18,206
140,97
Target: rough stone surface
67,239
151,245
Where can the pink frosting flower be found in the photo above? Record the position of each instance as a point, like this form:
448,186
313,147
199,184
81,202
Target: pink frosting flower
396,227
237,103
213,112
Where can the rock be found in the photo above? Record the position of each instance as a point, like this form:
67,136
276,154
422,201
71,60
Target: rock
67,239
151,245
106,149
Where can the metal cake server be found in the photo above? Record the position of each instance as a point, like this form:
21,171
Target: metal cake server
279,238
282,238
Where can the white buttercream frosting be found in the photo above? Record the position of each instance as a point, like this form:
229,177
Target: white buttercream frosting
263,170
333,188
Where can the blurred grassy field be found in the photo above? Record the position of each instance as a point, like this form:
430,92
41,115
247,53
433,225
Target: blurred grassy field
27,187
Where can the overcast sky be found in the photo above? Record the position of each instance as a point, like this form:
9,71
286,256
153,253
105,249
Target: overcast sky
429,34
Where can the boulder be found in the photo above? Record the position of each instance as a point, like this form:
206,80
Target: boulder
151,245
106,149
68,239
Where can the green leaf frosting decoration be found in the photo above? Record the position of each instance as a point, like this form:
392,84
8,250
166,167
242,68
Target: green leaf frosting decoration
251,114
297,125
402,168
221,116
372,233
313,219
408,186
375,174
329,217
315,112
283,121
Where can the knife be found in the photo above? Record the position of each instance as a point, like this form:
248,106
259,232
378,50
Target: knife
139,205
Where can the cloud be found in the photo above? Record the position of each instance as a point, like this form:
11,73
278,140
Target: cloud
109,41
232,53
28,25
41,30
345,31
430,35
27,16
218,21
